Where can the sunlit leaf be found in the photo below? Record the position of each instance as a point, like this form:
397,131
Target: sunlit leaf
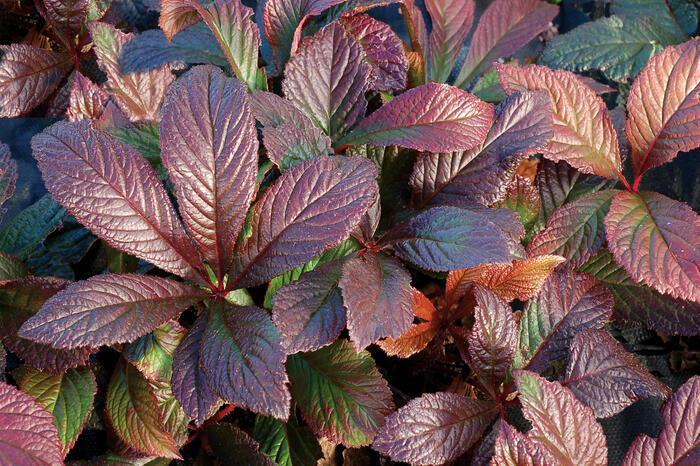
87,99
451,22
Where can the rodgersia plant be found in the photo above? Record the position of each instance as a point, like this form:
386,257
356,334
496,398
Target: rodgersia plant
239,253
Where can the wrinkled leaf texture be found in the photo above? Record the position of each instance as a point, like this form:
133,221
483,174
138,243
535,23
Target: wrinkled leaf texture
152,354
676,16
451,22
87,100
287,443
513,448
21,235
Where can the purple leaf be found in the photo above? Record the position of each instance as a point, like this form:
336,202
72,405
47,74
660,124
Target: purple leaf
451,21
309,209
378,295
448,238
112,190
64,17
28,434
309,312
640,452
434,429
327,79
606,377
8,175
46,357
515,448
243,360
433,117
481,175
189,383
87,100
210,148
108,309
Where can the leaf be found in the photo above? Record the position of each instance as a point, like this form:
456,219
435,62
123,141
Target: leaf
208,133
340,393
87,99
68,397
64,17
569,303
378,296
584,135
417,32
109,309
655,239
675,16
318,202
228,441
383,50
189,383
82,167
481,175
504,28
663,107
641,451
175,420
144,137
138,95
309,312
243,359
8,176
513,449
11,268
433,117
575,230
28,75
327,79
129,410
435,428
618,47
152,354
548,406
451,22
418,335
522,197
176,16
30,227
447,238
286,443
28,435
150,49
522,279
606,377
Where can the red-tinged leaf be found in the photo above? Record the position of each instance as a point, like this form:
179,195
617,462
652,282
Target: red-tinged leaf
522,197
28,75
109,309
340,393
8,179
231,444
189,383
243,359
656,240
152,354
640,452
309,312
138,95
434,429
550,407
664,107
419,335
575,230
433,117
28,434
584,135
568,303
327,79
481,175
176,16
606,377
208,133
417,32
522,279
309,209
383,50
87,99
451,21
516,449
504,28
493,339
83,168
378,296
46,357
68,397
65,18
448,238
129,409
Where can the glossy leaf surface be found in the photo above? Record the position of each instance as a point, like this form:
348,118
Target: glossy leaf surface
418,335
451,22
87,100
516,449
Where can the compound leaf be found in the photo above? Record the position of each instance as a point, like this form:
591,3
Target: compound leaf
451,22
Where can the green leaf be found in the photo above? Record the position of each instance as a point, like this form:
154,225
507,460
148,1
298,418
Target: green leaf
11,268
31,226
677,17
144,137
286,443
488,87
152,354
67,396
53,257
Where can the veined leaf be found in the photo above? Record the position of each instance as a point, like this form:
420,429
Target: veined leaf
176,16
522,197
514,449
152,354
451,21
327,79
549,406
228,442
30,227
28,434
28,75
640,452
584,135
318,203
504,28
64,17
434,429
11,268
108,309
418,335
83,167
606,377
655,239
175,420
417,32
8,175
67,396
378,296
287,443
664,107
243,359
144,137
340,393
433,117
87,100
675,16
